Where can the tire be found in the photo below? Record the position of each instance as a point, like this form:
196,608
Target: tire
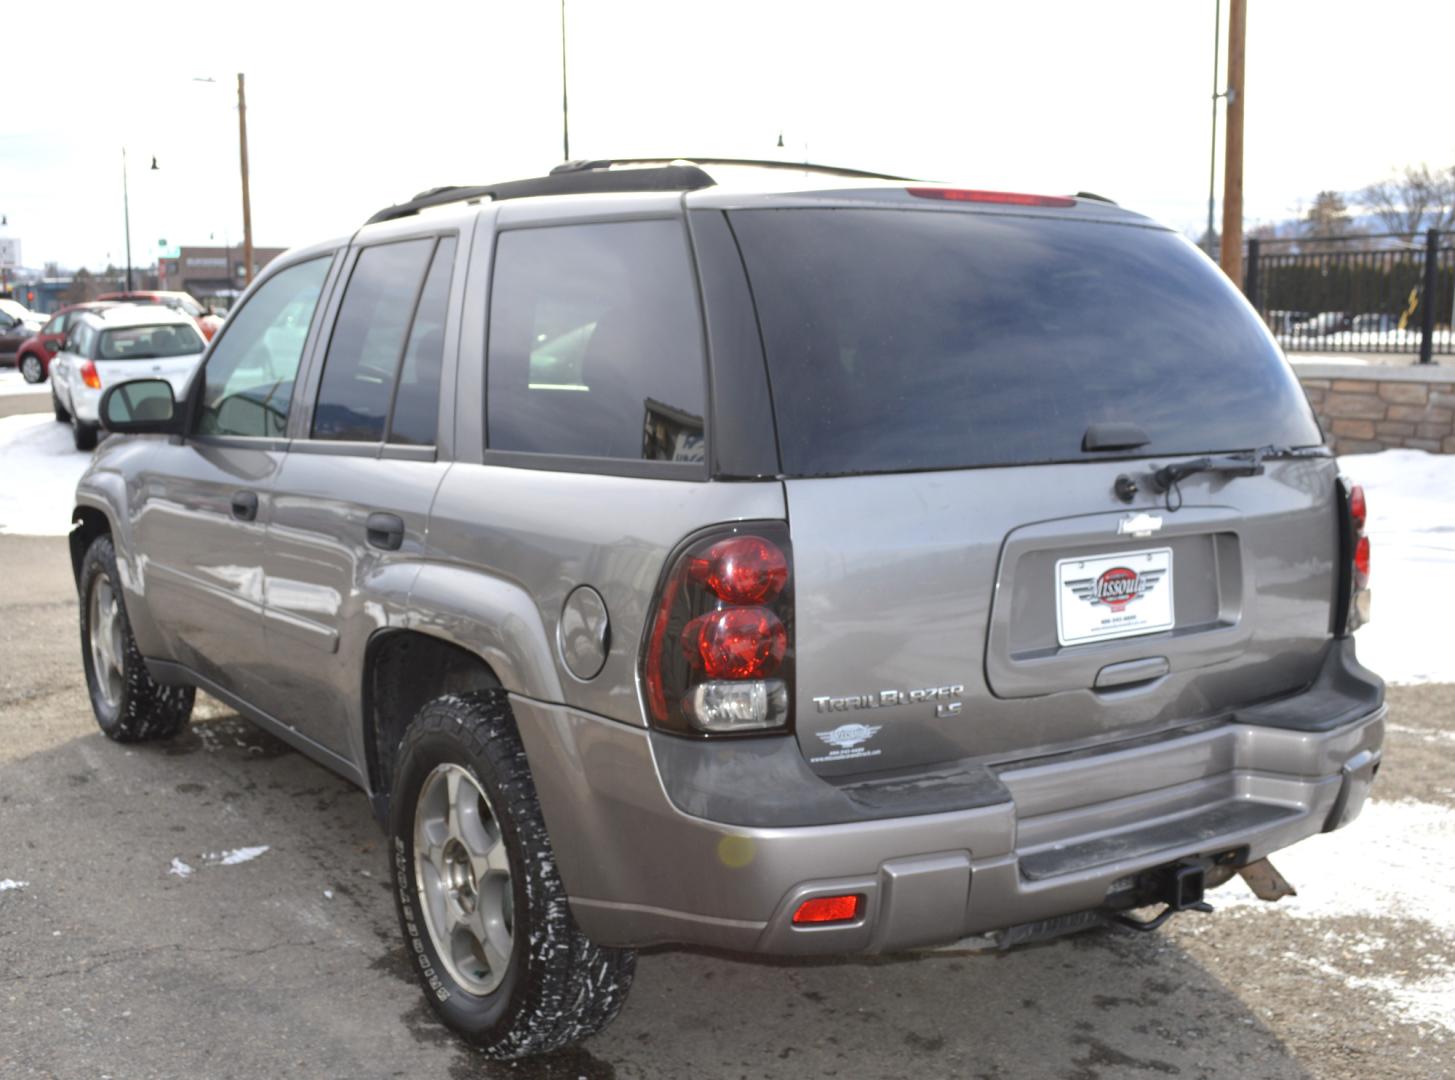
62,416
31,369
84,434
549,986
129,705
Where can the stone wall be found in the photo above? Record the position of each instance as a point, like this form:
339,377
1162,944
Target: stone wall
1367,407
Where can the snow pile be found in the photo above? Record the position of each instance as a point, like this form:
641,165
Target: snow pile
181,869
7,885
1411,496
40,466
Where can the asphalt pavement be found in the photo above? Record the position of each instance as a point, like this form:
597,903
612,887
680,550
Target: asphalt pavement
144,934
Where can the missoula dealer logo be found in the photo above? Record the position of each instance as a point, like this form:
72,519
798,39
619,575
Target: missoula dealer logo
1117,587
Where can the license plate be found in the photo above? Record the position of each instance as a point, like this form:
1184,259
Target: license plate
1101,597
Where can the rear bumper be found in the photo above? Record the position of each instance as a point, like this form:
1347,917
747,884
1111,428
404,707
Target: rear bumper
1067,833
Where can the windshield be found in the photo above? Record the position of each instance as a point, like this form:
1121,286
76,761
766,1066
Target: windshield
148,342
907,340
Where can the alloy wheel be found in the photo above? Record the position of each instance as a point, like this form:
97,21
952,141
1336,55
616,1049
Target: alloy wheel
462,871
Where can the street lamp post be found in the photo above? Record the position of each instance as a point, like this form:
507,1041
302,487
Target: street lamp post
126,210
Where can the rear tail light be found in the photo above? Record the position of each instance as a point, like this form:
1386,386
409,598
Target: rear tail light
1357,547
718,656
90,376
1002,198
829,909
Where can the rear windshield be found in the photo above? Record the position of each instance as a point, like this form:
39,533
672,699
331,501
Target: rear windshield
148,342
903,340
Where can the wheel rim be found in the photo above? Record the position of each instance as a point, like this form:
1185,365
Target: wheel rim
462,873
104,626
30,369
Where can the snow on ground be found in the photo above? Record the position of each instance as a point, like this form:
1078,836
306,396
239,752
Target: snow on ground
39,467
12,382
236,855
1389,873
7,885
1411,497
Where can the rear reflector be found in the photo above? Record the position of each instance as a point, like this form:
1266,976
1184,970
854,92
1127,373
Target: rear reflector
828,909
1004,198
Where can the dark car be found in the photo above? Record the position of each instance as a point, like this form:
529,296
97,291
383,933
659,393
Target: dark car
17,324
35,353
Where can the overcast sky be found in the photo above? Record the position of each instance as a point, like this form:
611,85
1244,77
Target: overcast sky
352,107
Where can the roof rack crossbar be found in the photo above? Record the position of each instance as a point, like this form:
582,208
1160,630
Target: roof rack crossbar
577,182
757,163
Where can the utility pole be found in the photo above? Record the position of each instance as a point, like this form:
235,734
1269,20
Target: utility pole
565,124
242,143
126,210
1232,250
1212,168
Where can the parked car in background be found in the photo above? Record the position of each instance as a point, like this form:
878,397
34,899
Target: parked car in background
506,506
17,324
1374,324
34,357
113,346
180,301
1285,322
1324,323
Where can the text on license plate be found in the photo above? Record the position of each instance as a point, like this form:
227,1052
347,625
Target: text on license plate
1111,596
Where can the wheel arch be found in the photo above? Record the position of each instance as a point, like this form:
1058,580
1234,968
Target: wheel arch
87,523
404,669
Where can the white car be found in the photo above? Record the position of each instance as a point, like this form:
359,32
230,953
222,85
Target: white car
113,346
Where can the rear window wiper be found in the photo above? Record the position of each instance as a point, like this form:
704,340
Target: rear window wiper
1248,463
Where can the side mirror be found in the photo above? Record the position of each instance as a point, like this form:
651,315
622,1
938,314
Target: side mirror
53,345
140,407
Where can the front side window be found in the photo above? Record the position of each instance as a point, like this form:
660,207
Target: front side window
57,325
148,342
596,343
368,340
248,381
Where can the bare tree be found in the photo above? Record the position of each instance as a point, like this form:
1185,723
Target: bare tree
1327,218
1413,199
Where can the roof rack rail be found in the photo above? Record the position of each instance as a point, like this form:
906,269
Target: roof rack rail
576,182
757,163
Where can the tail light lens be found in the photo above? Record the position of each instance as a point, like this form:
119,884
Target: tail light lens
1357,547
718,655
90,376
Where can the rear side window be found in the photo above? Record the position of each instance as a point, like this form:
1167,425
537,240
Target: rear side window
148,342
906,340
596,343
368,341
417,399
248,381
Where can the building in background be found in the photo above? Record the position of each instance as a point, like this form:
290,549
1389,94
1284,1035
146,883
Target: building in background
211,274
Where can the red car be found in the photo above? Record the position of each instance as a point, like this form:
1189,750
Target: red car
183,302
33,358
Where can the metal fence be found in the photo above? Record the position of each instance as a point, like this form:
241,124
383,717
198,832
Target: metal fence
1383,293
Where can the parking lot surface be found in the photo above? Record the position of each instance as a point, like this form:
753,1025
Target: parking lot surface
219,907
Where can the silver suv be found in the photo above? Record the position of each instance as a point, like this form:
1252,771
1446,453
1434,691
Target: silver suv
790,562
